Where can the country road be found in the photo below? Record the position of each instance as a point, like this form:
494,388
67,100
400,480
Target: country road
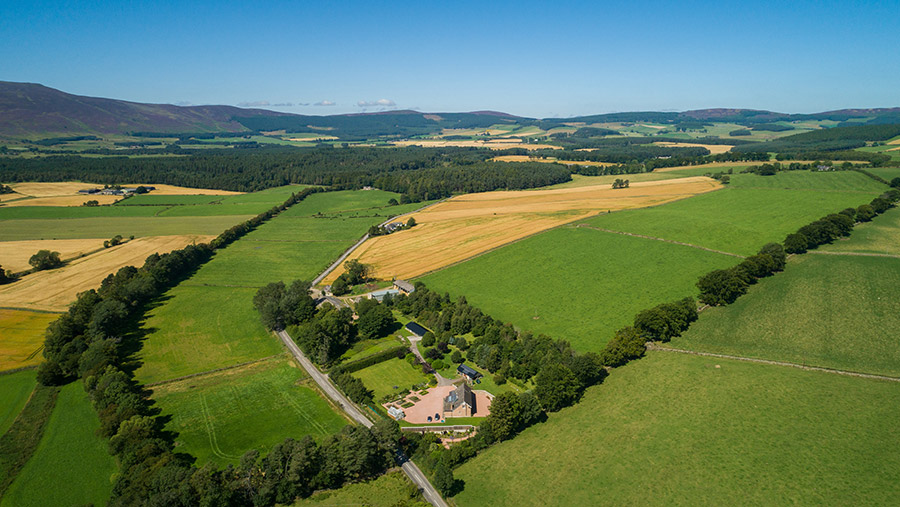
356,245
412,471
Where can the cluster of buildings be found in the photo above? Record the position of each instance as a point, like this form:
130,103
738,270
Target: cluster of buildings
111,191
399,287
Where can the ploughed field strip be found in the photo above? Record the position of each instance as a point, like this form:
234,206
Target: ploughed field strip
471,224
55,289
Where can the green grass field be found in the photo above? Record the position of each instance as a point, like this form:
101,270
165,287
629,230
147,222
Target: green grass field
736,220
887,173
880,236
168,200
366,348
275,195
345,200
220,416
15,388
73,212
71,465
835,311
199,329
73,228
382,377
845,181
673,429
577,284
216,209
392,489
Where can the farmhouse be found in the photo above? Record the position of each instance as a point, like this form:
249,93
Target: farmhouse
469,372
389,228
460,402
404,286
416,329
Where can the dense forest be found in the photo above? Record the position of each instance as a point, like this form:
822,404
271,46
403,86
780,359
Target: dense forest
419,173
825,140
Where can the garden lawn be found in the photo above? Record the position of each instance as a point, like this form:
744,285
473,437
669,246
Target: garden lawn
107,227
197,329
390,490
736,220
880,236
675,429
15,389
219,417
577,284
382,377
839,312
71,465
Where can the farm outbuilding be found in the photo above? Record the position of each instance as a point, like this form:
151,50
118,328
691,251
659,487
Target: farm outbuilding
416,329
469,372
404,286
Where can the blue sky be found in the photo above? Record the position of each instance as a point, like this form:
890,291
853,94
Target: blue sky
529,58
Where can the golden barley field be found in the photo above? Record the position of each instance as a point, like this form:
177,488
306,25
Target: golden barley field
14,255
714,149
55,289
471,224
22,337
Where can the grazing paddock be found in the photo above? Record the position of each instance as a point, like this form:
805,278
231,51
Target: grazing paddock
15,389
155,199
577,284
344,200
674,429
880,236
471,224
14,255
71,465
220,416
55,289
736,220
22,338
197,329
834,311
382,377
107,227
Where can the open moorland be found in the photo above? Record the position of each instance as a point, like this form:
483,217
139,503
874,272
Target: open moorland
71,465
679,429
577,284
220,416
55,289
465,226
22,337
835,311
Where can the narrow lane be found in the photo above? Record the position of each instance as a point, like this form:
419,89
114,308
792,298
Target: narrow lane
409,468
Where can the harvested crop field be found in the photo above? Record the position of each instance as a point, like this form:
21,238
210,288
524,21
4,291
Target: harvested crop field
469,225
55,289
22,337
714,149
14,255
51,189
62,200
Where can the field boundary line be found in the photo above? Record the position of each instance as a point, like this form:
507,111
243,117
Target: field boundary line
586,226
653,346
359,243
209,372
20,309
855,254
17,370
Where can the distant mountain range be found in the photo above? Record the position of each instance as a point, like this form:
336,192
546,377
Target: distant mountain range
33,111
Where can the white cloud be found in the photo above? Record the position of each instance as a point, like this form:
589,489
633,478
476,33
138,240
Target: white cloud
257,103
324,103
283,104
376,103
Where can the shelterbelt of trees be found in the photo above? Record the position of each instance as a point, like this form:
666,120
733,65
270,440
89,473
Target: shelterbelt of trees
419,174
90,341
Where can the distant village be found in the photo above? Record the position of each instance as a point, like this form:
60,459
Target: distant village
116,190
